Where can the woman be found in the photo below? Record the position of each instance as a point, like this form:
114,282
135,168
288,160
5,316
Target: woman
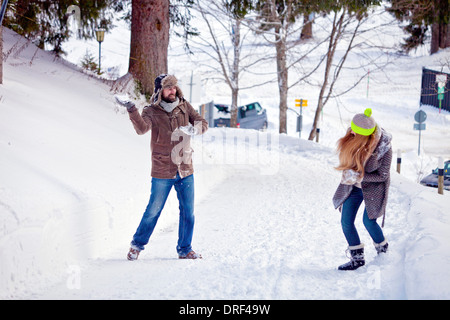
365,156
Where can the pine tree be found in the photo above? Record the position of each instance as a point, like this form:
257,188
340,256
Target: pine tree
422,16
150,26
88,62
45,21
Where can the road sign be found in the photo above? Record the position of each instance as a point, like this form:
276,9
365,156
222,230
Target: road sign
441,79
440,93
301,103
420,116
299,123
420,126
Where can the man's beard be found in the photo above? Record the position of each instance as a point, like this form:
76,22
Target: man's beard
170,98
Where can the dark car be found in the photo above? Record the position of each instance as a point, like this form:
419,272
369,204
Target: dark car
250,116
432,179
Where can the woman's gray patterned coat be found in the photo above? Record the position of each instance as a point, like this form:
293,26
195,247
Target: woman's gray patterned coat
376,181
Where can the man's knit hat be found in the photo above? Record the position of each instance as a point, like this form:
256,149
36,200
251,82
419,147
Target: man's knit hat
164,81
363,123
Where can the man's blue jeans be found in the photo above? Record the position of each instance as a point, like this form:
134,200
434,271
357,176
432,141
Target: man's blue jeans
349,211
159,193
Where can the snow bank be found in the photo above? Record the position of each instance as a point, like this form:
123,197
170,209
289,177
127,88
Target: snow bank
75,176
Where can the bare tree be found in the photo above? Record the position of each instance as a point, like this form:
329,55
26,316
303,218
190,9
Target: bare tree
277,21
346,27
338,27
215,12
226,51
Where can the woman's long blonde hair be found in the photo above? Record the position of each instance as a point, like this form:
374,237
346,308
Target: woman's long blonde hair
354,150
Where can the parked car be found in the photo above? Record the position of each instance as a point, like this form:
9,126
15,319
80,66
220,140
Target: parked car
250,116
431,180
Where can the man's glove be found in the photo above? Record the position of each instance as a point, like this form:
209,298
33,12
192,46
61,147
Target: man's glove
125,102
189,130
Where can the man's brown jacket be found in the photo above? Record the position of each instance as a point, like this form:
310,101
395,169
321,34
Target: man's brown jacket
171,149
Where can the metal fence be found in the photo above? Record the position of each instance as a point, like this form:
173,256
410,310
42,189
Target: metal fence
429,94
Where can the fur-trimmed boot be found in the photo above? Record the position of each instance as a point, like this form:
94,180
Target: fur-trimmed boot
381,247
356,258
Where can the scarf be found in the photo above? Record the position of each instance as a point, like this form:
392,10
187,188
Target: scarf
169,106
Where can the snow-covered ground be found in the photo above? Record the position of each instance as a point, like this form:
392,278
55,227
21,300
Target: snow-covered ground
75,179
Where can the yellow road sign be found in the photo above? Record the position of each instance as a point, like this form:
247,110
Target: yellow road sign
301,103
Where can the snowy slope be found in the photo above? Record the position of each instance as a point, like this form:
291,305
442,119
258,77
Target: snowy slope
74,181
72,168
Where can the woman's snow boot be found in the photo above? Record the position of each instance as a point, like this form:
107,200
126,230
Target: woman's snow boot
381,247
356,258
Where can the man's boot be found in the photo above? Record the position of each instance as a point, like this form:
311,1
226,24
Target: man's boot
133,254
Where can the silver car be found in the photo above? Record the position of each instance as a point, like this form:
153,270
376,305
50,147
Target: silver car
250,116
431,180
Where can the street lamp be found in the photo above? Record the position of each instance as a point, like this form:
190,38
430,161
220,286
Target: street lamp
100,34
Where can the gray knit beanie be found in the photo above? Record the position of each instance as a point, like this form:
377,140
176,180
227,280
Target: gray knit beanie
363,123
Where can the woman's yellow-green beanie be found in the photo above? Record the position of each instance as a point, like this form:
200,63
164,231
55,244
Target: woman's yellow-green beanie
363,123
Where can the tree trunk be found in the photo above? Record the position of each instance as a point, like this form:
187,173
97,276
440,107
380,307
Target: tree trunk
336,25
440,37
307,28
234,107
313,132
235,73
447,38
1,49
282,74
149,42
1,54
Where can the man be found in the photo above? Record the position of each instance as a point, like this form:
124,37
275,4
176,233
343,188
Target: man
169,117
